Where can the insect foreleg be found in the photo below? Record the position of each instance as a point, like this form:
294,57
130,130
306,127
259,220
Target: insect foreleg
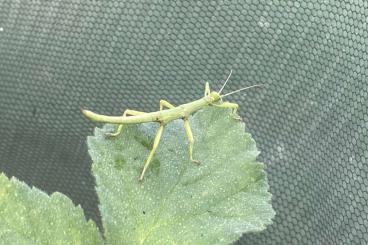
156,141
207,89
120,127
190,139
165,104
232,106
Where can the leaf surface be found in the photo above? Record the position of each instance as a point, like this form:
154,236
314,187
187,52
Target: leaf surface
179,202
30,216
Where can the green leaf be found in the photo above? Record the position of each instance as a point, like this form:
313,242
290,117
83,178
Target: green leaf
30,216
180,202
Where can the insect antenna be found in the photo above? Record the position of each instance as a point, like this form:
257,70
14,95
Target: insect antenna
241,89
227,79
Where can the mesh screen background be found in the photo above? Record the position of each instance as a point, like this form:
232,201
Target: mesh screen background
310,123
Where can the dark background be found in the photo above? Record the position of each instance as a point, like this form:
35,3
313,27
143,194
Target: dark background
310,122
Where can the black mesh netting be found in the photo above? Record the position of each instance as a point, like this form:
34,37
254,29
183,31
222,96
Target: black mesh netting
310,122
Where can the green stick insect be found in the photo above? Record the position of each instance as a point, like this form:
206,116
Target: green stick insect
164,116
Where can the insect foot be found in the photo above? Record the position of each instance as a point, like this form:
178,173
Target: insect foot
237,117
195,161
110,135
140,180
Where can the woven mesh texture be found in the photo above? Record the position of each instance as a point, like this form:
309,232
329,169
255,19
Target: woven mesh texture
310,122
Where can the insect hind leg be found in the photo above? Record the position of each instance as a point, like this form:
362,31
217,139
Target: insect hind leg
120,127
156,141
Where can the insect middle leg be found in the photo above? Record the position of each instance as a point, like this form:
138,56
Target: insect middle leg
190,139
156,141
120,127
